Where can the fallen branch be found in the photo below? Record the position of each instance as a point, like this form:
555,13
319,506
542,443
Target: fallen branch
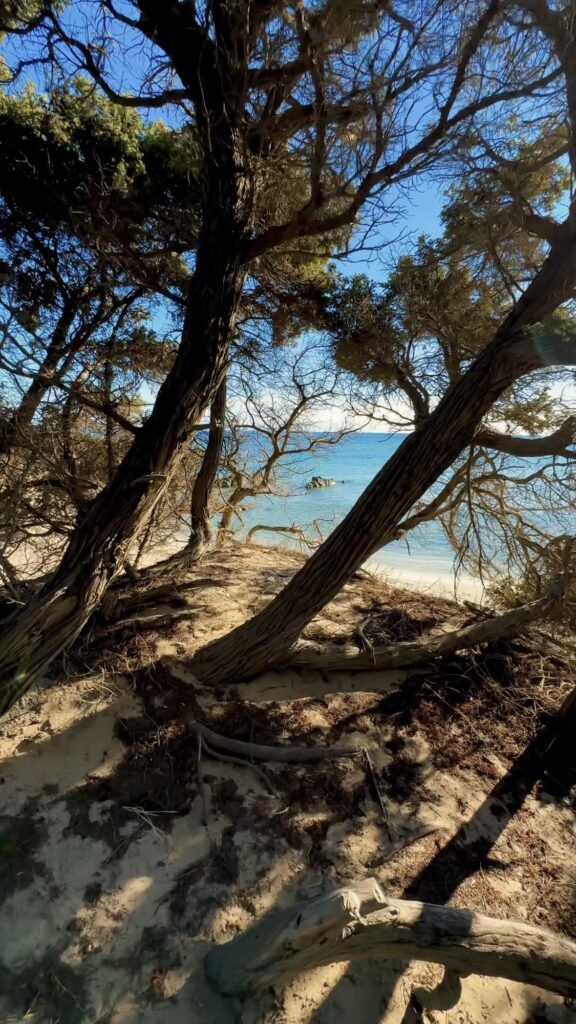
140,623
359,922
334,657
266,753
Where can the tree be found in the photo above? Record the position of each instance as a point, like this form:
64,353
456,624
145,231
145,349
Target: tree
277,395
318,103
75,300
409,340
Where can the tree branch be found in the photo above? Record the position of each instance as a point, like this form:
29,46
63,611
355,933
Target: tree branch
556,443
331,657
361,922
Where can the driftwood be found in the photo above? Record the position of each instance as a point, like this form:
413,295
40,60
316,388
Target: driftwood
359,922
263,752
308,654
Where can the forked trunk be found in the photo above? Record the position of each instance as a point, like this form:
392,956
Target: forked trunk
229,513
265,639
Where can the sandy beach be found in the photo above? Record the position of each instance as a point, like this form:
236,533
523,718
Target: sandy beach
126,859
444,584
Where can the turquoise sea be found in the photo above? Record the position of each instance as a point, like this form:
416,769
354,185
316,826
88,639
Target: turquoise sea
352,463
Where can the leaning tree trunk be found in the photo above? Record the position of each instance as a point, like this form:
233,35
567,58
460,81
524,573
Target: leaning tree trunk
98,548
265,639
200,528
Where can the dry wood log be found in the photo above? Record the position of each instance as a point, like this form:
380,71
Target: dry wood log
360,922
262,752
346,657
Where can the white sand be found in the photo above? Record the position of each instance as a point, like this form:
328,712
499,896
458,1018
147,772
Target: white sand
102,928
443,584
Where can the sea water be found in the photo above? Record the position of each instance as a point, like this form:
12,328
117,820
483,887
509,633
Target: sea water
352,463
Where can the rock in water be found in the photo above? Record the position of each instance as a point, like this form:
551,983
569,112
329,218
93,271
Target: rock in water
320,481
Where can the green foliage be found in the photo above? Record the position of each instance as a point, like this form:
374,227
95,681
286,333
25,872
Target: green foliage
13,15
485,217
532,415
430,307
75,159
554,332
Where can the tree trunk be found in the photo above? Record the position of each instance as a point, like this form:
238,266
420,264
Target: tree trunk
98,548
225,525
360,922
265,639
200,528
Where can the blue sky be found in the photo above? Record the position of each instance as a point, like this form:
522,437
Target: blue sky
419,216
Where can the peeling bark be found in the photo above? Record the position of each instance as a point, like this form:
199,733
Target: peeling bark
360,922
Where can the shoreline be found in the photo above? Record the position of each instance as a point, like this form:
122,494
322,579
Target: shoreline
440,583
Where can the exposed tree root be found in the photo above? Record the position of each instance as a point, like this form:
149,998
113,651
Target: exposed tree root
219,755
359,922
266,753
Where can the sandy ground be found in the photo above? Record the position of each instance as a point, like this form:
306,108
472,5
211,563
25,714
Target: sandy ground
31,560
442,584
113,890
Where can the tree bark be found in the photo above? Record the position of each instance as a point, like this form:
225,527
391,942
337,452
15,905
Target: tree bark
200,528
265,639
360,922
